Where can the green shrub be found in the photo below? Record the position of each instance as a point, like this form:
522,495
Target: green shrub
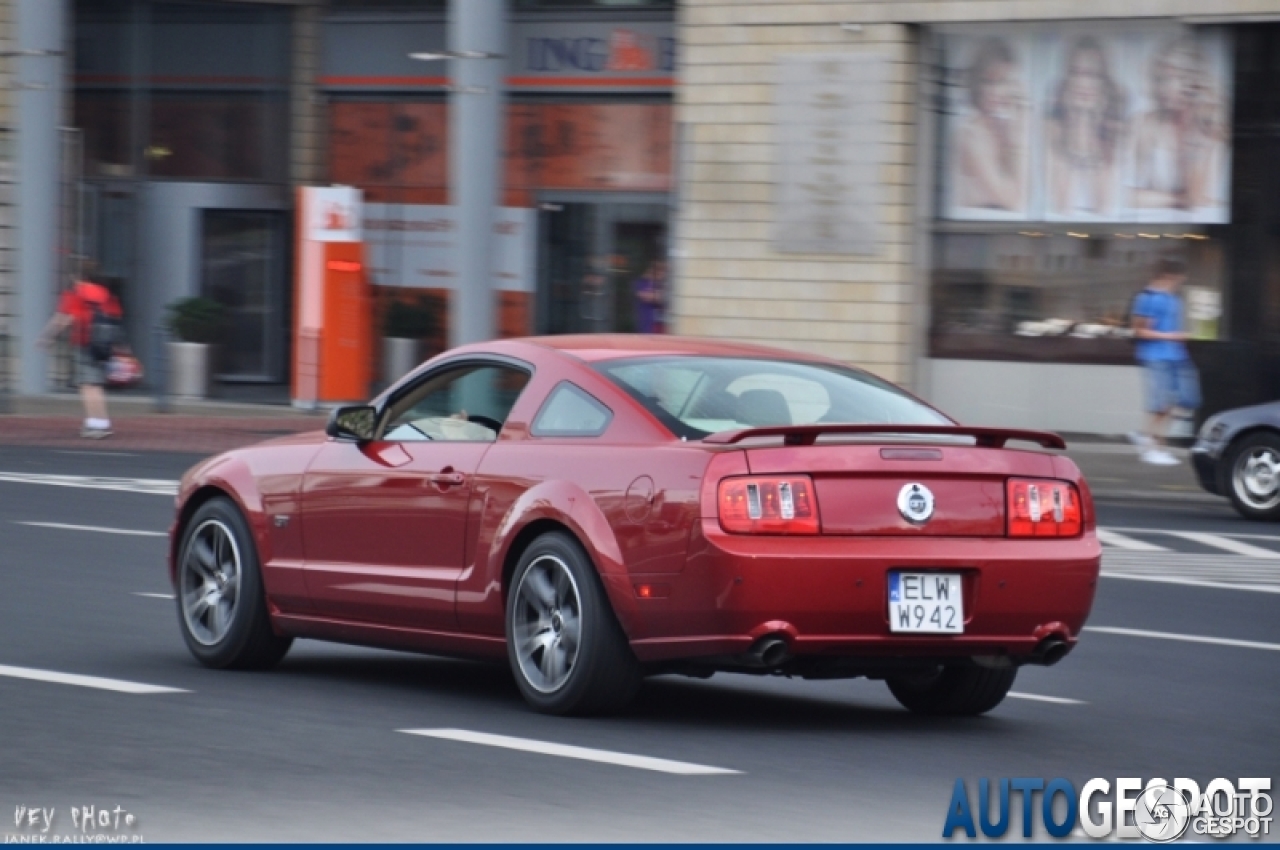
197,320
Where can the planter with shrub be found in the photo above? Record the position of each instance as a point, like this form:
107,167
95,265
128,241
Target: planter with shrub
196,326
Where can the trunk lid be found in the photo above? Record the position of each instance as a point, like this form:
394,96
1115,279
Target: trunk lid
858,485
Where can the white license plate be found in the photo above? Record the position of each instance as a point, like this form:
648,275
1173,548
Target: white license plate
926,603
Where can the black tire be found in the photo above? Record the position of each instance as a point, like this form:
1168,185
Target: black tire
236,635
599,674
1254,497
956,690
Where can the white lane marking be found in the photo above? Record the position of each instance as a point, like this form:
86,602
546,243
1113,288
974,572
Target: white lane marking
1216,641
1114,538
67,527
1217,541
149,486
97,454
1191,582
1210,564
155,595
566,751
1238,535
1043,698
118,685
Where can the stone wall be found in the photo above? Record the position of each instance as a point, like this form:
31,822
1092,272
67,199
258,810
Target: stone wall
7,142
731,283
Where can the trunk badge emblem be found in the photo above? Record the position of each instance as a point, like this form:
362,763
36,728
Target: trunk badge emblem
915,503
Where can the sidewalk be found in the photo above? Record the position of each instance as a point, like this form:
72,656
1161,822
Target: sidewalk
1111,467
193,427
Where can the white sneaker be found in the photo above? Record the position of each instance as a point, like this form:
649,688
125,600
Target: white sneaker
1159,457
1140,439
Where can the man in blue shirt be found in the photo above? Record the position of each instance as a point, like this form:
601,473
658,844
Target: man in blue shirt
1170,376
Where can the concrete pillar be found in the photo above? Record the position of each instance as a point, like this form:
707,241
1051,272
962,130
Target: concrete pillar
40,77
475,159
306,108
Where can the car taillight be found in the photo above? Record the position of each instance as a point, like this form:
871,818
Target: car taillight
767,504
1043,508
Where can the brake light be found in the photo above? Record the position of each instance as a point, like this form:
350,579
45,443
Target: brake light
1043,508
761,504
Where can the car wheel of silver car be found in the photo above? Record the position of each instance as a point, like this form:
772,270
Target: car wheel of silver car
566,649
222,606
956,690
1254,476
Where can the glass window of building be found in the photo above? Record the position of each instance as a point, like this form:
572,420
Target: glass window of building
183,90
1071,158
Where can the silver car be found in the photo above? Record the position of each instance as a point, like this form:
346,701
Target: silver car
1237,455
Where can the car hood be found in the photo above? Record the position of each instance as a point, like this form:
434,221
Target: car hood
1257,413
286,454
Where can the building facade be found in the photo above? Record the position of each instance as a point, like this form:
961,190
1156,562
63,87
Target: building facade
960,195
186,126
6,199
965,195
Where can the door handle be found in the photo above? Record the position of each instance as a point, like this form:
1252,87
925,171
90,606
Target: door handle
447,479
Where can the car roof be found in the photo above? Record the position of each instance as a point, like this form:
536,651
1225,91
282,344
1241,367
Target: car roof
592,348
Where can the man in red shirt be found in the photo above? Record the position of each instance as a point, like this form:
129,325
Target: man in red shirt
75,311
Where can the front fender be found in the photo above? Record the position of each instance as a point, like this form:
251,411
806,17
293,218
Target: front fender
571,506
232,477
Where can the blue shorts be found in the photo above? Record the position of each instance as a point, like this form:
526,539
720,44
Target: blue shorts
1170,384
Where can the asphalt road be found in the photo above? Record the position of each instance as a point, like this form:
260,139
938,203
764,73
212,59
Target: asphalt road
312,751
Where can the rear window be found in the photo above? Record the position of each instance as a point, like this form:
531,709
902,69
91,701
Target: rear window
697,396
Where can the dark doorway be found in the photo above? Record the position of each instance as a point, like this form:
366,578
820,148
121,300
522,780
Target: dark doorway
590,255
243,268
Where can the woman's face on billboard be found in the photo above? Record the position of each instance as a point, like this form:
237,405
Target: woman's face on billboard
999,96
1086,76
1177,78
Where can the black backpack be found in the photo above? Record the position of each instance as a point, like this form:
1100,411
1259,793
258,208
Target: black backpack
104,333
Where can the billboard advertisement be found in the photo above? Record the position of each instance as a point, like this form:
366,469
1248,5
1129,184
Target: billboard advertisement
1089,123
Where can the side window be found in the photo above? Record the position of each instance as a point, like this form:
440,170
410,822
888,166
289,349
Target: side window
571,412
466,404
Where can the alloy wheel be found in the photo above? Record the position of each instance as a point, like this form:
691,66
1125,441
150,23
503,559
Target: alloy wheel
547,624
1257,478
209,583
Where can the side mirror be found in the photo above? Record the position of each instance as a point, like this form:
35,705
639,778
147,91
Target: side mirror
355,422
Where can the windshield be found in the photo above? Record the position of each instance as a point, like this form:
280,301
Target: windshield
697,396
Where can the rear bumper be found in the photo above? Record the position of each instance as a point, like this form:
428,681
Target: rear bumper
828,596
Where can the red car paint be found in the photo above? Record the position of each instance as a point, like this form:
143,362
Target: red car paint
410,545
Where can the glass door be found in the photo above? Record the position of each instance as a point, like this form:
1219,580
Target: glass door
596,266
243,268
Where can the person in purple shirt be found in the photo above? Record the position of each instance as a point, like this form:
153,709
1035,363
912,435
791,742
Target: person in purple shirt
651,299
1170,377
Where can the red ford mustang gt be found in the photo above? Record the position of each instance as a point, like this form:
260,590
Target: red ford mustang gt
596,509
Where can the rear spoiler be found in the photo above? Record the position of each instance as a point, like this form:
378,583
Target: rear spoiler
807,435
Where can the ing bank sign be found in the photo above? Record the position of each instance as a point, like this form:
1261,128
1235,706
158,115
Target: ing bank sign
609,52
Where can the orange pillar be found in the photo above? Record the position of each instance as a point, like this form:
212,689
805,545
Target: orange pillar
333,346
